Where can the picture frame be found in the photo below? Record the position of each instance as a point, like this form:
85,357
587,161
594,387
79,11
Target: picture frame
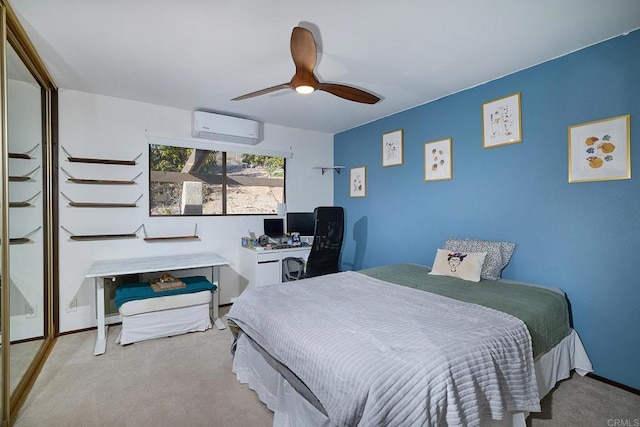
392,148
438,160
358,182
600,150
502,121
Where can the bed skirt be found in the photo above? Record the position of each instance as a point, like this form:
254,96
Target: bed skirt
164,317
291,409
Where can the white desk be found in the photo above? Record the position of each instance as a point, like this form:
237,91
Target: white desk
264,267
102,269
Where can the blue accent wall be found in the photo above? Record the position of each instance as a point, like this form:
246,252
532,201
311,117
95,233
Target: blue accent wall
581,237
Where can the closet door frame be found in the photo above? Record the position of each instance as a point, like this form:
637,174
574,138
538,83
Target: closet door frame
13,33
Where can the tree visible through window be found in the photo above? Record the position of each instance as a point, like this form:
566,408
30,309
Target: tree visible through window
189,181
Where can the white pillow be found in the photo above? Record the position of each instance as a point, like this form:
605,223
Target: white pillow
498,254
463,265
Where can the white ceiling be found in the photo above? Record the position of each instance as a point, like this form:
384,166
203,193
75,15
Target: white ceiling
198,54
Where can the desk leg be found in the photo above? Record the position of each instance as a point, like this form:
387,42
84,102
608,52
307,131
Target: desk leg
218,322
215,278
101,340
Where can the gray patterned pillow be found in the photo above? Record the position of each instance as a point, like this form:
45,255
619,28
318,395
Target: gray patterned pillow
498,254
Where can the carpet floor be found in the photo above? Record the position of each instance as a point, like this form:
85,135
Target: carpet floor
187,380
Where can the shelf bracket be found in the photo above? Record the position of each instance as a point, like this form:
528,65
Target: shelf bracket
323,169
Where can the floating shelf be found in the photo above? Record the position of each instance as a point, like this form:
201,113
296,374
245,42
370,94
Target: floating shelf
85,237
25,203
24,239
19,204
156,239
101,161
19,240
100,181
165,238
326,168
22,178
101,205
25,156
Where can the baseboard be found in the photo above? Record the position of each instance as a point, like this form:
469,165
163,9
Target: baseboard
614,383
90,328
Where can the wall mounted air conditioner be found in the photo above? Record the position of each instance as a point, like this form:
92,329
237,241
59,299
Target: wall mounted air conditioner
226,128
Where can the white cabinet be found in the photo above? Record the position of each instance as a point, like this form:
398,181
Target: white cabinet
264,267
267,269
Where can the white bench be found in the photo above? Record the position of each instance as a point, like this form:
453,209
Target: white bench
165,316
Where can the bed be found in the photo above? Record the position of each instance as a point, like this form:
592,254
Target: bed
396,345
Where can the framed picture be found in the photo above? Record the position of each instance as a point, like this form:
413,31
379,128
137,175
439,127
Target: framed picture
392,154
501,121
358,182
438,160
600,150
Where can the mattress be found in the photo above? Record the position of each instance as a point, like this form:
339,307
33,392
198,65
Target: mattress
371,370
545,311
291,406
505,396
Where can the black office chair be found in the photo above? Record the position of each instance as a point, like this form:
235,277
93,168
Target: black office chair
324,257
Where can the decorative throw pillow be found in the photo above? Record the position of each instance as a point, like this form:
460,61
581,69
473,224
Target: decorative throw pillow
463,265
498,254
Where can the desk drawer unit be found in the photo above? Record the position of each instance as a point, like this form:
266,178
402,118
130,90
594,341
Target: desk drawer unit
267,269
264,267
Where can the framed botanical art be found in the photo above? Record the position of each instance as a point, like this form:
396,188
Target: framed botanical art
438,161
358,182
501,121
392,154
600,150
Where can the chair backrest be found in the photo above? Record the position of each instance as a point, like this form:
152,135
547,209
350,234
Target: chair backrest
328,234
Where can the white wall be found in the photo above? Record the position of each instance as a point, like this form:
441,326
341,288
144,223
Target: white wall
104,127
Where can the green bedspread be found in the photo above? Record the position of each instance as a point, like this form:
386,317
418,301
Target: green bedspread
544,311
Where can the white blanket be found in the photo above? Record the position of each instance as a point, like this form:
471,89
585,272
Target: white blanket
375,353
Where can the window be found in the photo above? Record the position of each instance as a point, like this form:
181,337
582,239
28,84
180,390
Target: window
190,181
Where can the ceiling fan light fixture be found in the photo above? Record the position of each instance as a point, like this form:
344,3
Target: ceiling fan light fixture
305,90
304,53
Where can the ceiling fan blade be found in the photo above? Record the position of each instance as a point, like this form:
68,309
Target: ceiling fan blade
304,52
264,91
348,92
303,49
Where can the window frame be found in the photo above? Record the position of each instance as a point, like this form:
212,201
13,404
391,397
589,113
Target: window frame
224,150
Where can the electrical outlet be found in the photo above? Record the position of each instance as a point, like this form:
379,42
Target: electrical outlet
72,306
30,312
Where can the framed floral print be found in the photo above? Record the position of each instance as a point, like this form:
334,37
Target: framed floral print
438,160
501,121
392,154
600,150
358,182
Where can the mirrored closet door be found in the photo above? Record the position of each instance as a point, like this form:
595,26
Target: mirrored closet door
29,203
26,247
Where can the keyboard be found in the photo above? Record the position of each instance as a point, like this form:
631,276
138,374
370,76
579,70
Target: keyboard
282,246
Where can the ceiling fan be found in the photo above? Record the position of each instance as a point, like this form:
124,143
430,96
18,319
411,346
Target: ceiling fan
303,51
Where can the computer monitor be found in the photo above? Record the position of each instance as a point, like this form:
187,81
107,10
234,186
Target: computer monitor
300,222
274,227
